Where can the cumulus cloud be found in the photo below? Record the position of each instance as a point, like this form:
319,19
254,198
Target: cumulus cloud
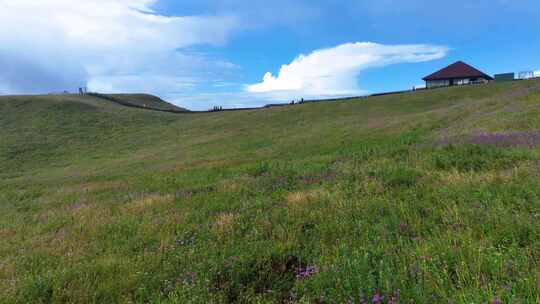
334,71
537,73
107,44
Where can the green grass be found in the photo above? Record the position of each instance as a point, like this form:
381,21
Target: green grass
101,203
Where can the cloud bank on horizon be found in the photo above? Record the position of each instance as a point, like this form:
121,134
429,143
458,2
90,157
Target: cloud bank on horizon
334,71
109,45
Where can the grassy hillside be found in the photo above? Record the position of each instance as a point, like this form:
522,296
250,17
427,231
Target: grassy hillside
427,197
148,101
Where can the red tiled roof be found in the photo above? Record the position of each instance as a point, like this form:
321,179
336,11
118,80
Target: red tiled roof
457,70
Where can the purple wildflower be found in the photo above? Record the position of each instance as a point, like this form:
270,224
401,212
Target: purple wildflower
497,301
304,273
377,298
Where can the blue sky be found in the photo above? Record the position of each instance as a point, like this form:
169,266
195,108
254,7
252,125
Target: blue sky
237,53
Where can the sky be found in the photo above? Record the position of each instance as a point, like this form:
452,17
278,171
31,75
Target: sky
244,53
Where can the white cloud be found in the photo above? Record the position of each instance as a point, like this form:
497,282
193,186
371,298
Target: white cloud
109,44
334,71
537,73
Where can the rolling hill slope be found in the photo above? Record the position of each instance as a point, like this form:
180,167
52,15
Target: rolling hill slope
147,101
431,197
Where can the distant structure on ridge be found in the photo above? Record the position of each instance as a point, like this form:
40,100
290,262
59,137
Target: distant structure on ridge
505,77
456,74
83,91
526,75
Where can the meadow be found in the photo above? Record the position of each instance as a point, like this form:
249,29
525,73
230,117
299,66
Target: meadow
423,197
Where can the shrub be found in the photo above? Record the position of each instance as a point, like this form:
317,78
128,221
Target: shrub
38,290
475,158
399,176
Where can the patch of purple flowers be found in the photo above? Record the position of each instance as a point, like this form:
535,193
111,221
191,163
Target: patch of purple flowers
528,139
509,139
306,272
377,298
497,301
